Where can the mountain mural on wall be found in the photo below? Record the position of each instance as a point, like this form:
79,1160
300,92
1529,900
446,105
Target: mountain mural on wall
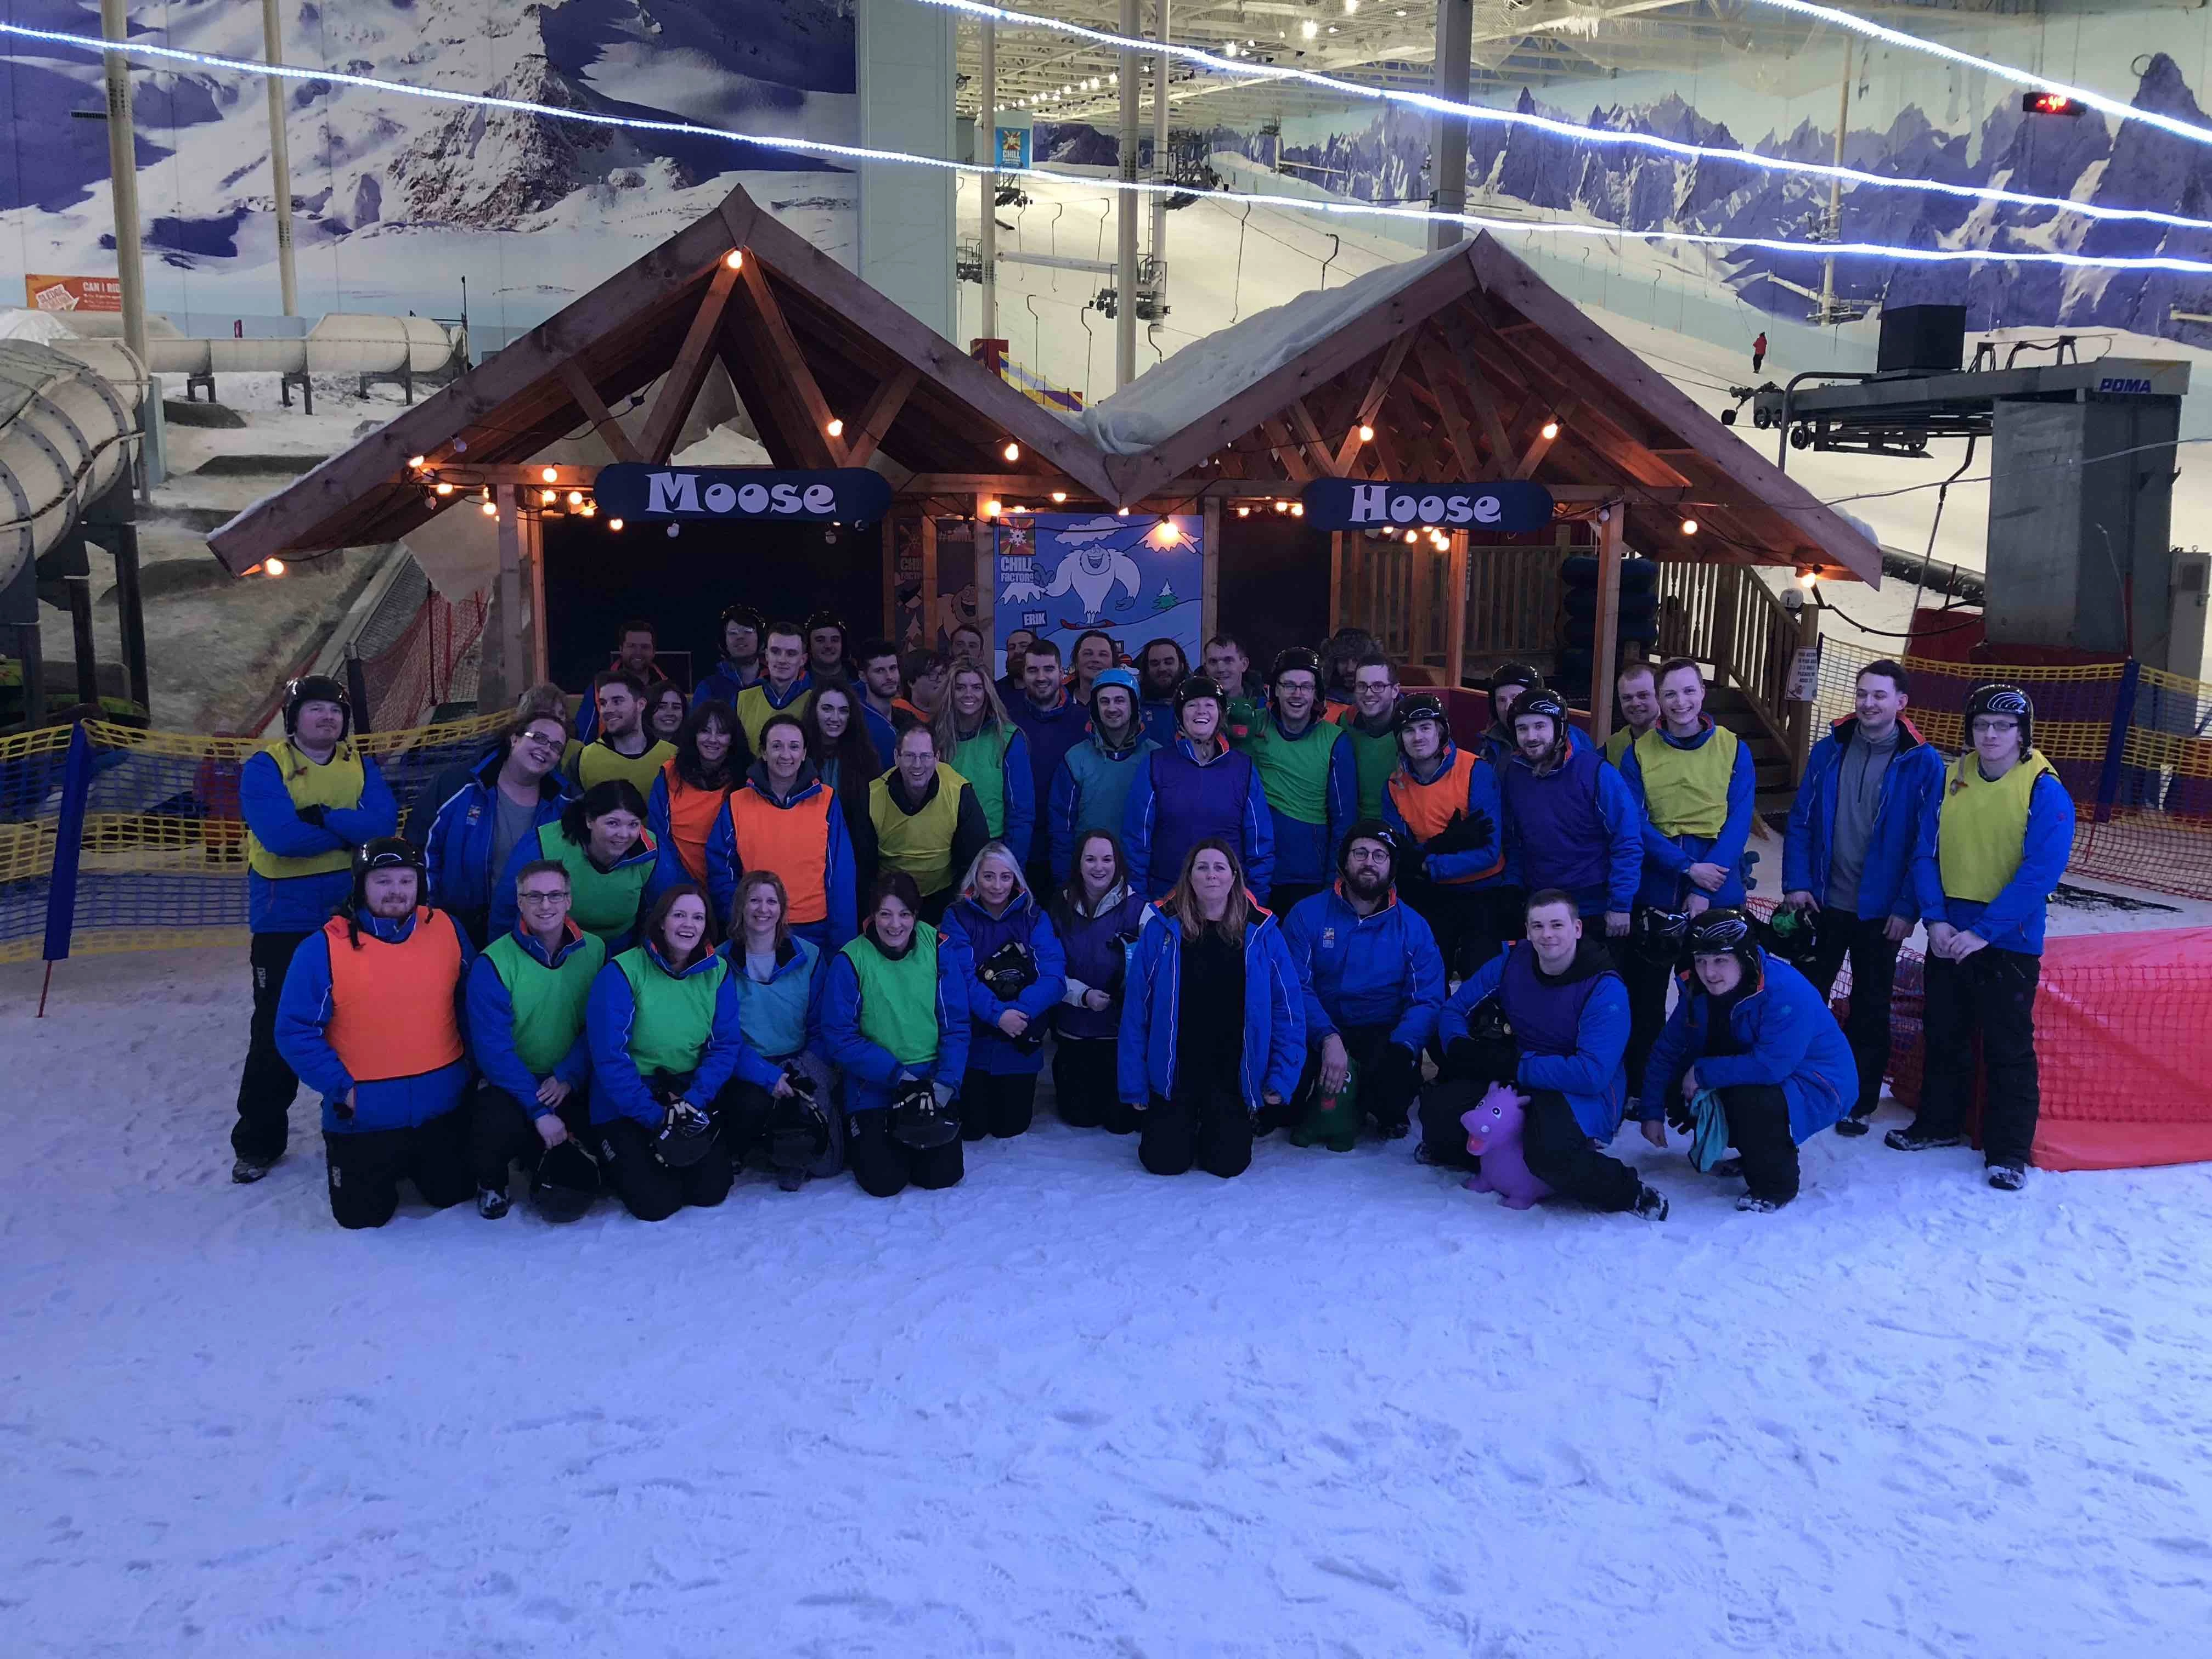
394,180
1640,190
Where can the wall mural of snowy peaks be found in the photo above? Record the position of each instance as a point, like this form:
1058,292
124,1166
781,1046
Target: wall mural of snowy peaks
396,198
1983,138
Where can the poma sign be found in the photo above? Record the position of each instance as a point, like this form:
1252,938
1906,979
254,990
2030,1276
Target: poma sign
1347,504
845,494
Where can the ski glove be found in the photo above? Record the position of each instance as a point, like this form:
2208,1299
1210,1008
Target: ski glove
1473,1060
1467,832
1681,1117
312,814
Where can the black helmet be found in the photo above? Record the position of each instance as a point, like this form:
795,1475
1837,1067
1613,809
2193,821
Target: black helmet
388,853
1419,706
1514,673
566,1182
1195,687
745,616
1725,931
1008,971
825,619
1370,830
1792,934
918,1122
1295,657
1544,702
686,1136
798,1132
1486,1021
2001,699
1658,934
314,688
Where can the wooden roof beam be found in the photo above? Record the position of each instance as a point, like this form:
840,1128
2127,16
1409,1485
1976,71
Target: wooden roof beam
595,411
688,373
876,420
1370,402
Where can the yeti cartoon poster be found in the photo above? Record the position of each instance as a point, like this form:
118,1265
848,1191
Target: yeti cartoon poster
1138,578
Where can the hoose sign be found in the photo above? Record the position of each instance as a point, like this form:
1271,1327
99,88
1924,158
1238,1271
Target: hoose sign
844,494
1347,504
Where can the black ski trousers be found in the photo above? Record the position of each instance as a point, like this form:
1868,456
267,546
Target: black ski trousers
364,1170
266,1085
649,1188
1647,981
999,1103
1556,1146
1759,1129
1471,925
1213,1132
1990,994
884,1168
1086,1084
1873,957
503,1132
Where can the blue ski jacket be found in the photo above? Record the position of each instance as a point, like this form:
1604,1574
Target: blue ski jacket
1174,803
1885,887
1784,1035
1273,1050
618,1090
871,1071
459,852
977,934
1666,858
1379,969
299,904
304,1010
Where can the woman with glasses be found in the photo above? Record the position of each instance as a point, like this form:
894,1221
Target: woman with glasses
515,791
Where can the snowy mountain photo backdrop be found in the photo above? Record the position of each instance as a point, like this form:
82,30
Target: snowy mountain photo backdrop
1911,117
398,197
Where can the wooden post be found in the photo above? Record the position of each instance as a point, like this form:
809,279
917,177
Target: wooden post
1335,580
928,582
1727,595
510,591
891,576
1604,642
1800,713
1210,564
982,540
1455,611
533,552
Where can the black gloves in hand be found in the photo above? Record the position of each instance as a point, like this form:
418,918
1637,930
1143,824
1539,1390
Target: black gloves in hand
311,814
1467,832
1679,1116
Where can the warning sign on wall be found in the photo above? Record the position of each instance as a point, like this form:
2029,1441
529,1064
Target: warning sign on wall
72,293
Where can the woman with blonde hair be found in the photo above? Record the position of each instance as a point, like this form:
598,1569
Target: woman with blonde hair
977,738
1017,973
1208,961
779,978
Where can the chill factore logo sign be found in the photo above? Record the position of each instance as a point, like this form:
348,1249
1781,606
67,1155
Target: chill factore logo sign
1061,575
1347,504
845,494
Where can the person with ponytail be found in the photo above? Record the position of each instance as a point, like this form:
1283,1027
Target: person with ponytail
666,1028
613,862
895,1016
1017,975
980,742
1096,913
1208,962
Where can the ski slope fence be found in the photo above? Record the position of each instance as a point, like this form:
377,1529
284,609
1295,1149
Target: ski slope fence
113,838
2132,744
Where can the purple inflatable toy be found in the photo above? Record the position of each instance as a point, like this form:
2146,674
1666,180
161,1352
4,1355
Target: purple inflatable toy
1493,1134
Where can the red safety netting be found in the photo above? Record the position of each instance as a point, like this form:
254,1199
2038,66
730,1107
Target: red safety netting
2123,1045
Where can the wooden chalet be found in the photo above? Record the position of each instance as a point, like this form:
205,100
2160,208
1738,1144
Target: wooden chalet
1462,366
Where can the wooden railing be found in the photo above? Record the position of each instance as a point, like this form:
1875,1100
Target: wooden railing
1398,594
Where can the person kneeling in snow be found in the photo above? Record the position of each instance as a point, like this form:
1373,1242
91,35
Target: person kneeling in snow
1753,1031
1016,972
1213,1028
526,997
894,1015
1548,1016
371,1017
665,1026
1373,981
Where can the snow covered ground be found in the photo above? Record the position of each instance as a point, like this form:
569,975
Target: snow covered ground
1337,1406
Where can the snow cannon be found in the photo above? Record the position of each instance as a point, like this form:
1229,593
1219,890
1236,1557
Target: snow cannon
1493,1134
